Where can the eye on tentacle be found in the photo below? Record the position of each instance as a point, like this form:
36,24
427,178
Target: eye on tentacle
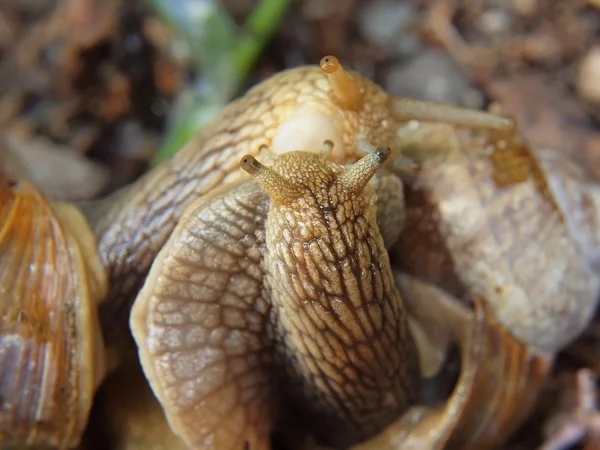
279,188
344,86
349,94
356,177
353,179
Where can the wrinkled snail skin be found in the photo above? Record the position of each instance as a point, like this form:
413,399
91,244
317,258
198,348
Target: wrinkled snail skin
51,353
295,109
295,104
335,305
273,300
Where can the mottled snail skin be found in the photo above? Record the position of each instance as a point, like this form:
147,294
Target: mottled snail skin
295,109
273,303
51,352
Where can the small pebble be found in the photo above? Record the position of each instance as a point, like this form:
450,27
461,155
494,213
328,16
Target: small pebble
58,171
588,82
495,22
432,75
386,24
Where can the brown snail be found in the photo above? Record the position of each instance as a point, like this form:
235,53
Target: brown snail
51,351
295,109
517,355
295,302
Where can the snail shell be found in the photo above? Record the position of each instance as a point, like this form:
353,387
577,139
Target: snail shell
499,234
492,226
499,382
51,353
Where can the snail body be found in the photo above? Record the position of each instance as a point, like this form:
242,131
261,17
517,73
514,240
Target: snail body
328,111
296,109
312,329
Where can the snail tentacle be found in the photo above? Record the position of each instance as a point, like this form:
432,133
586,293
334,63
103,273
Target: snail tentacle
356,177
344,87
278,188
405,109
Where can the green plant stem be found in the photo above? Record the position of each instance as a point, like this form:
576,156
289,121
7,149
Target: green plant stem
221,53
257,30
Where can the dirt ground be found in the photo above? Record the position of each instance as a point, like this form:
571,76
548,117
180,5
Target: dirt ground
86,87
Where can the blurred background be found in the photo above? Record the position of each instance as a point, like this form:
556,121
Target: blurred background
98,91
93,93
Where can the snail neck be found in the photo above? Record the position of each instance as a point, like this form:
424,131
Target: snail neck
338,316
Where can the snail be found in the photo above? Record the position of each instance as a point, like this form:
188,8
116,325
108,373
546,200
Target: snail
52,356
295,312
134,223
506,232
520,351
295,109
300,109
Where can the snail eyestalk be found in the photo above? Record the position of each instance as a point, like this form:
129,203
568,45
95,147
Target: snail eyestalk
326,149
344,86
405,109
277,187
357,176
